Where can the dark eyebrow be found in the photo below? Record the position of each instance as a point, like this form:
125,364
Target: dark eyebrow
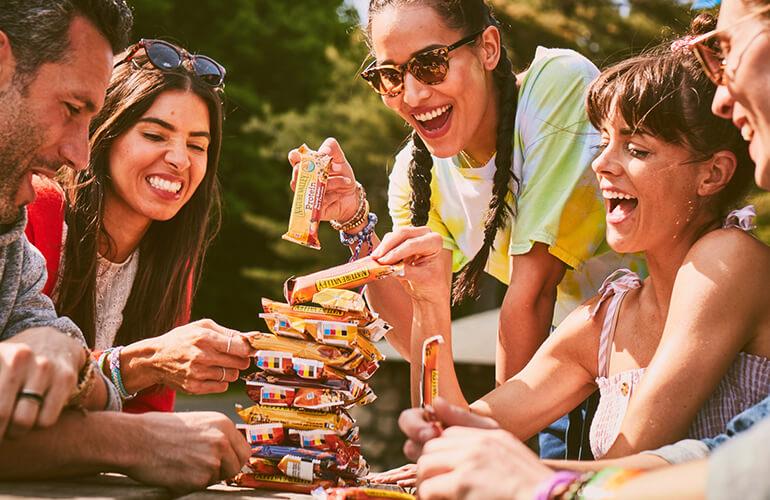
171,128
424,49
87,102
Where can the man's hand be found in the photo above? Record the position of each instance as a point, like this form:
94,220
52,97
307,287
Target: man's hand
419,431
187,451
472,463
38,372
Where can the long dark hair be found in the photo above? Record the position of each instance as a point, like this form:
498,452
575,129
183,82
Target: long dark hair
468,16
666,94
171,252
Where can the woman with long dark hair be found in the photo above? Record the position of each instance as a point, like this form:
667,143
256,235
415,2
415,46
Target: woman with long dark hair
666,366
126,259
497,163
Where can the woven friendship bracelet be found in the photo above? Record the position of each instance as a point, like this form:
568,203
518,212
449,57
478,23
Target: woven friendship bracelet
115,373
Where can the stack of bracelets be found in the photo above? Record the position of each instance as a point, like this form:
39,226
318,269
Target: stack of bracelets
112,355
567,485
357,240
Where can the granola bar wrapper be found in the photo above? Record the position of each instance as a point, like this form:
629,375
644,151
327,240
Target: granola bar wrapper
349,386
309,311
305,218
429,378
271,394
299,290
336,333
341,300
262,433
285,326
310,398
332,356
362,493
295,418
279,482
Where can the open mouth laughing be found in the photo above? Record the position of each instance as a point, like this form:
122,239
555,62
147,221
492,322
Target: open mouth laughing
434,121
619,205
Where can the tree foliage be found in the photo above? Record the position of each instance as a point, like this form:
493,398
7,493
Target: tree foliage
292,78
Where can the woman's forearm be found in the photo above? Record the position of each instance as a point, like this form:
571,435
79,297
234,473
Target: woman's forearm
136,366
434,318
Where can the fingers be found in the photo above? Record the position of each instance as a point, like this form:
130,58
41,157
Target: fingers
451,415
339,183
405,473
31,397
205,387
230,466
412,423
443,487
407,243
14,360
332,148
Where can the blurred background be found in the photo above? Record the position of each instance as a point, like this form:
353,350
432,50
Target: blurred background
292,70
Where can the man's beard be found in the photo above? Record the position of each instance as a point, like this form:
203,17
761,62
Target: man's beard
20,140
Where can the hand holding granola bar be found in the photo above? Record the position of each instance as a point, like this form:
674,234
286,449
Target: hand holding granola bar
341,199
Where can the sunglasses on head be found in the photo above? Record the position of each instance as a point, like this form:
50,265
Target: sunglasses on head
429,67
711,58
167,57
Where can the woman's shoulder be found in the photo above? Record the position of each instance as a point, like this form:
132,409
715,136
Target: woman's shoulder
559,65
731,248
47,207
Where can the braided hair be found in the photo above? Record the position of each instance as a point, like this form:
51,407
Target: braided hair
468,16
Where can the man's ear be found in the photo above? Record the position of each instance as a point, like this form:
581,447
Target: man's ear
717,173
7,61
489,42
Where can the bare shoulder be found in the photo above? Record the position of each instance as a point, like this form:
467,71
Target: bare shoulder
729,253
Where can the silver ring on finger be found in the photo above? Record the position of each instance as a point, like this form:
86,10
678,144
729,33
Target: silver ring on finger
31,395
224,374
229,342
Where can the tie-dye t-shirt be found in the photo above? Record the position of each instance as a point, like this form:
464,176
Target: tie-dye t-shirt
558,202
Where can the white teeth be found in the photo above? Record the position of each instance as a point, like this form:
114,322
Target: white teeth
747,132
615,195
424,117
164,185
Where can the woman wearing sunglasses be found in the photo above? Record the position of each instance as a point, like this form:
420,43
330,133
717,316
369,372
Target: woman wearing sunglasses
498,164
674,356
125,260
734,57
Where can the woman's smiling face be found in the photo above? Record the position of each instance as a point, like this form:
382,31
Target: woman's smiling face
458,113
650,190
159,162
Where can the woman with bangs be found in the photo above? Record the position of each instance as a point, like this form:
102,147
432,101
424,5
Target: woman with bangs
497,163
125,260
669,171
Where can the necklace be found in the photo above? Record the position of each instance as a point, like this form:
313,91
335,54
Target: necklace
471,162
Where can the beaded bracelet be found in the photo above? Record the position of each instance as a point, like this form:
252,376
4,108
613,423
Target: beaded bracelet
546,489
358,239
602,484
358,217
115,373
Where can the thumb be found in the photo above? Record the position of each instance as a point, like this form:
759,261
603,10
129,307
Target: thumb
450,415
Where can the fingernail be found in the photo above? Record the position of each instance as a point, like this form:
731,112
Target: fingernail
336,167
347,180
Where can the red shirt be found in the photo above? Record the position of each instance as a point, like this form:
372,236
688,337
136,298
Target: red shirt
45,227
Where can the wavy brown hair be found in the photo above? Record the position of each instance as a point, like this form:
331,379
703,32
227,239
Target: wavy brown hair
171,252
666,94
467,16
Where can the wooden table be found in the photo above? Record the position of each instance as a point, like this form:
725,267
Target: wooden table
114,486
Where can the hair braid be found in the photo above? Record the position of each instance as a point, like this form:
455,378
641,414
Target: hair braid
467,284
419,180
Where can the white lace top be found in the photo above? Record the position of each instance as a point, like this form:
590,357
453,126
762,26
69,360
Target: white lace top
113,286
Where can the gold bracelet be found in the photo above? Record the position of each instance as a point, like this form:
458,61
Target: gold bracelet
361,213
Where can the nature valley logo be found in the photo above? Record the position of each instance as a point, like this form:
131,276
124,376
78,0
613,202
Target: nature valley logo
302,191
317,310
344,279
